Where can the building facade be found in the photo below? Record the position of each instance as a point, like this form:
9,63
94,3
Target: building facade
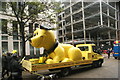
83,22
13,42
10,37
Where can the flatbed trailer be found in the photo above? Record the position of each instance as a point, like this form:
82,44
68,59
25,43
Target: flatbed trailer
36,67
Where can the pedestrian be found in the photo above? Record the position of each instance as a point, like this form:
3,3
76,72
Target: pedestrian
4,67
15,68
108,52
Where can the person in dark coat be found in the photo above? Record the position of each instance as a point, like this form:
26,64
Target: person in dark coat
108,52
4,65
8,58
15,68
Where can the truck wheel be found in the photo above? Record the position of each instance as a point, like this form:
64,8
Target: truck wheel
118,58
115,57
95,64
65,71
100,63
51,69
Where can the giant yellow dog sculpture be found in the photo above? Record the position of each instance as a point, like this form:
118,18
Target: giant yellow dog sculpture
57,52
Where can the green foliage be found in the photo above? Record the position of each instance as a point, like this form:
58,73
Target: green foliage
29,11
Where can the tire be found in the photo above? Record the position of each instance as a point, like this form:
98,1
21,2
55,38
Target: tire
115,57
51,69
65,71
118,58
97,63
100,63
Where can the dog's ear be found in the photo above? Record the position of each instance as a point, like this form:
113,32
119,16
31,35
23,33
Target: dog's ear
49,28
46,28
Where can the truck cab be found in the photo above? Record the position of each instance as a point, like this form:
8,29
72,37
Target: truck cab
89,51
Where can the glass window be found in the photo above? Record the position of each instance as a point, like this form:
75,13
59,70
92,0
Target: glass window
3,6
94,49
4,37
38,51
31,50
16,46
83,48
4,26
15,30
4,46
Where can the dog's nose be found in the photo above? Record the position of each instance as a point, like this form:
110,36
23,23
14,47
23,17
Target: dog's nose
30,40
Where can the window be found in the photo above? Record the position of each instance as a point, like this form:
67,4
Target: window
4,46
83,48
38,51
15,30
4,37
4,26
16,47
3,6
94,49
31,50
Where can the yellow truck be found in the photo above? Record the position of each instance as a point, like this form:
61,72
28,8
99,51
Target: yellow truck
89,58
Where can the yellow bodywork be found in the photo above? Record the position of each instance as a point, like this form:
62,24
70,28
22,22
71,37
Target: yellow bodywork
89,54
34,61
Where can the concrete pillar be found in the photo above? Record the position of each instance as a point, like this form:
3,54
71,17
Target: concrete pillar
71,22
116,26
62,29
0,51
10,43
101,17
108,13
34,51
0,38
83,22
19,49
119,24
27,48
10,38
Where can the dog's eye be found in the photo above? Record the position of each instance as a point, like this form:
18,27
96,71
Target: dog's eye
34,35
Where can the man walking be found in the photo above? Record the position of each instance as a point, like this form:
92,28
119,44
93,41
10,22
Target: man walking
108,52
15,68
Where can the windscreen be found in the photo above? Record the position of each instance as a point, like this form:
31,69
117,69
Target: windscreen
83,48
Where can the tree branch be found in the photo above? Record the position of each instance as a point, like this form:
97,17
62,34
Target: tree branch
28,19
12,6
22,10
